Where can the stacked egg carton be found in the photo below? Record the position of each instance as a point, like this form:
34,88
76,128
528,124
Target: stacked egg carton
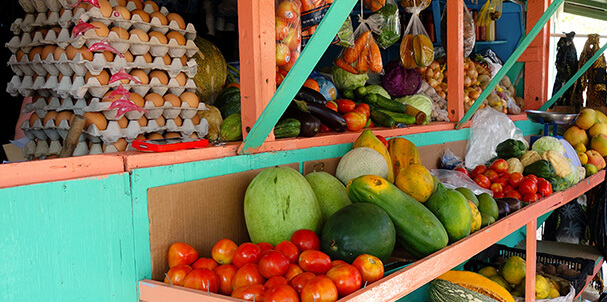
64,78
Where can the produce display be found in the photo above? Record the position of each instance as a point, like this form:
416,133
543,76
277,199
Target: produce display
589,139
129,67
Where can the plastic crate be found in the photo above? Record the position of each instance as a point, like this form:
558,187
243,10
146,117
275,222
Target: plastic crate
488,258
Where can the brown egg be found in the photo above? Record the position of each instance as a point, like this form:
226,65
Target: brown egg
58,52
35,51
160,16
103,77
101,30
109,56
179,38
108,97
123,122
172,135
194,136
151,3
143,121
122,33
48,51
43,31
105,8
148,57
145,17
173,99
95,118
196,119
155,98
20,55
141,76
60,77
160,75
155,136
181,79
120,144
143,36
141,136
162,39
137,99
184,60
128,56
121,12
167,59
121,2
56,29
33,118
177,18
138,4
64,115
190,98
178,121
51,115
72,52
160,121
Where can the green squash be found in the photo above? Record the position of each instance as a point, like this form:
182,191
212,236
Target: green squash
446,291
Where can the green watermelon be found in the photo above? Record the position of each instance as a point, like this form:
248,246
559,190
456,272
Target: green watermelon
330,193
212,71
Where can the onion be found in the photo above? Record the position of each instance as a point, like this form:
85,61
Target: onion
474,94
443,95
467,81
434,65
472,74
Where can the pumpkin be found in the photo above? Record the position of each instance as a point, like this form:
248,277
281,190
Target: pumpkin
479,284
416,181
402,153
445,291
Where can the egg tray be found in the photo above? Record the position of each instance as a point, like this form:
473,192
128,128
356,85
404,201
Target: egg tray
30,21
42,149
113,132
42,6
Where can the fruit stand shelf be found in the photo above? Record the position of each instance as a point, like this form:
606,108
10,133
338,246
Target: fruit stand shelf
412,277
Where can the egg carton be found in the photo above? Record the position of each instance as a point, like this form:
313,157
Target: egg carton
41,6
52,130
41,149
31,21
27,41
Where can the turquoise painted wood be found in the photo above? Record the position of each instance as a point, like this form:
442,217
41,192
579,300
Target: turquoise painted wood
68,241
320,41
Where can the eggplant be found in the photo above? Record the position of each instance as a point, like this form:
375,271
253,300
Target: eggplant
310,125
513,203
327,116
503,207
311,96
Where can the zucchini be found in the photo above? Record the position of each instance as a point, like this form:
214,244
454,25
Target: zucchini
400,118
382,119
288,127
330,118
309,124
311,96
384,103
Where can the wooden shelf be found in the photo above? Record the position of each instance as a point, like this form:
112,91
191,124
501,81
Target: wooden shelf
412,277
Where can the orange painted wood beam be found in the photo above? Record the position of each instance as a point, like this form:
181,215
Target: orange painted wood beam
536,69
530,260
455,59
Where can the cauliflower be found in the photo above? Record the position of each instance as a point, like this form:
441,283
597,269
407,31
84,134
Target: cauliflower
515,165
561,165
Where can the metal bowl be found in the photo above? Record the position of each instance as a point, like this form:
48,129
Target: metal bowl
546,117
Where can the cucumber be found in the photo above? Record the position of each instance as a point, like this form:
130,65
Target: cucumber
401,118
384,103
348,94
288,127
382,119
360,92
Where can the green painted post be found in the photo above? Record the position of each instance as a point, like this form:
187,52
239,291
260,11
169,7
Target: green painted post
574,78
320,41
510,62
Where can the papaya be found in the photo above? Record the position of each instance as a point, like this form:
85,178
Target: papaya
453,211
488,206
407,55
423,51
369,140
416,181
402,153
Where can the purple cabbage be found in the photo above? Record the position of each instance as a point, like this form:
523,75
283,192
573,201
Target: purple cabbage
399,81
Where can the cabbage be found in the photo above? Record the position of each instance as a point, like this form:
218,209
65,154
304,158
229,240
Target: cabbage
546,143
345,80
421,102
378,90
574,176
399,81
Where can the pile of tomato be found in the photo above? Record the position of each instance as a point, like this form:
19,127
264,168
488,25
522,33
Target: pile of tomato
294,270
496,178
357,115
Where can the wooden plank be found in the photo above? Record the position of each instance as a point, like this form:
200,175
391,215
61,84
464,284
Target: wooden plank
313,51
536,72
530,260
455,59
157,291
137,160
532,54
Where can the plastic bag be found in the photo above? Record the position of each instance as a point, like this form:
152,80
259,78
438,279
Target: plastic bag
385,25
489,128
469,34
568,298
374,5
416,49
450,161
288,33
364,55
455,179
439,109
345,35
312,12
408,4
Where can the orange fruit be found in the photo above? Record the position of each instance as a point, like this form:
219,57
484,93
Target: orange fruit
312,84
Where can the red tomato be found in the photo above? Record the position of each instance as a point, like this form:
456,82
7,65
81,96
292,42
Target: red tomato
364,109
346,277
498,195
508,188
324,128
314,261
335,263
497,188
273,263
355,121
492,175
226,274
480,169
383,140
293,271
203,279
345,105
532,177
265,247
505,176
319,289
276,281
299,281
247,275
289,249
528,186
502,181
332,105
305,240
544,188
514,194
250,292
531,197
205,263
482,181
177,274
370,267
515,179
281,293
182,254
463,170
223,251
499,166
246,253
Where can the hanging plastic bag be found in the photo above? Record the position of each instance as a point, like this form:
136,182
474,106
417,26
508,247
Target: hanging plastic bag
374,5
416,49
364,56
408,4
385,25
345,35
489,128
312,12
469,34
288,35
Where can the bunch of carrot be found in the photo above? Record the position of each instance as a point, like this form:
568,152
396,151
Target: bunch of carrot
374,5
362,57
307,6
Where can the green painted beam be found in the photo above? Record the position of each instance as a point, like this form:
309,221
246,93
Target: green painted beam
318,44
589,3
510,62
574,78
585,11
